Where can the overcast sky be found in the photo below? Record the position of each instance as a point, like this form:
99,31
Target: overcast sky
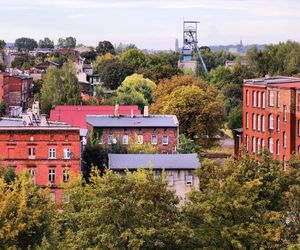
151,24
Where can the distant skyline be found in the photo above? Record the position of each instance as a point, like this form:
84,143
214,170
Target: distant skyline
151,24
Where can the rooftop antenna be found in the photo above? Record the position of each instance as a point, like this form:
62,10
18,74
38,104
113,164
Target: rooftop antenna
190,42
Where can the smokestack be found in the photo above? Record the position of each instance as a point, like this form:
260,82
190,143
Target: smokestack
117,113
146,111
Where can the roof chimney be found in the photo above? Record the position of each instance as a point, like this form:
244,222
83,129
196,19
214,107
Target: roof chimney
146,111
44,121
117,113
131,113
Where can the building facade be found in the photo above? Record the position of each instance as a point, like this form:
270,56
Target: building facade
51,152
179,169
161,131
15,90
271,116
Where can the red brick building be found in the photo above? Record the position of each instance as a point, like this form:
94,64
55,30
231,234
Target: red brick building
15,90
271,116
49,151
159,130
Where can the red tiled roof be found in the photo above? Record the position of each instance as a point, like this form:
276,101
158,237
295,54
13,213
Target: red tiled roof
76,115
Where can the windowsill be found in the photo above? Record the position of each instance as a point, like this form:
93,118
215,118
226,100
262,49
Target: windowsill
52,158
31,157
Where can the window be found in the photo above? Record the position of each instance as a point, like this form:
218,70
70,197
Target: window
155,177
31,152
263,123
247,120
253,121
262,144
278,123
253,145
51,175
189,180
170,180
110,139
100,140
298,101
284,113
298,127
284,139
277,147
254,98
258,123
270,142
247,142
278,99
247,97
140,139
52,197
271,98
271,121
263,104
67,153
165,140
258,144
125,139
52,153
258,99
32,173
65,198
153,139
66,175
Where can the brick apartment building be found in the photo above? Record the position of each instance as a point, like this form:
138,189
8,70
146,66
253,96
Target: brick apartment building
271,117
15,90
159,130
49,151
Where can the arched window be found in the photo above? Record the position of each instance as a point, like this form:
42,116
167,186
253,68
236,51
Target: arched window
247,120
278,123
284,139
247,97
277,147
271,121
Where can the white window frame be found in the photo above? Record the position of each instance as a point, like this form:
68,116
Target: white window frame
278,99
258,123
31,151
52,153
247,120
284,139
170,179
271,98
262,144
270,145
188,180
154,142
263,123
110,139
253,144
254,98
278,123
67,153
51,175
66,175
247,142
253,121
165,142
271,121
263,100
125,139
247,97
140,139
284,113
277,147
258,99
258,144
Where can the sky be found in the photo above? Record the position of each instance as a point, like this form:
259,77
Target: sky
151,24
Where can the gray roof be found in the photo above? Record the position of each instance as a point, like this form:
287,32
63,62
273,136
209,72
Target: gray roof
18,122
156,161
272,80
136,121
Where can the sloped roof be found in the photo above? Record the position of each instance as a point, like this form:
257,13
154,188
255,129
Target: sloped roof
76,115
152,121
155,161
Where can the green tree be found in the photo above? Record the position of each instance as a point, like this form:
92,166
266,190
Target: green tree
89,56
235,118
135,58
124,212
2,67
2,44
2,109
240,205
23,62
186,145
46,43
124,47
26,214
105,47
68,42
113,72
26,44
135,86
60,87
